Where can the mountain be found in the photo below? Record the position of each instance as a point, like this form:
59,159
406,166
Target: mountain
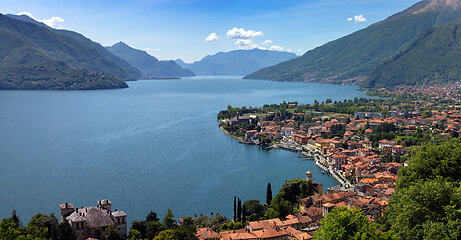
352,58
238,62
147,64
80,52
434,57
34,57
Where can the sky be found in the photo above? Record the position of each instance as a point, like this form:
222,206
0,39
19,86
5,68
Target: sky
192,29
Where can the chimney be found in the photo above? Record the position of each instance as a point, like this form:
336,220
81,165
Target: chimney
76,210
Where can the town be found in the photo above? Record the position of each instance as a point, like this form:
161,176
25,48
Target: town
362,143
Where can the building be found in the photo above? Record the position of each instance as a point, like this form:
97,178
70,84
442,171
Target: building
299,138
84,220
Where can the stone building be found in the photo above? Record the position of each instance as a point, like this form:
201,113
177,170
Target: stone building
84,220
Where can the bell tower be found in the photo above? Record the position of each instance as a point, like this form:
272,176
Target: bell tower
309,176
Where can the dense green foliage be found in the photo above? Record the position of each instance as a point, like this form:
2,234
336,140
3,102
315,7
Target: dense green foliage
147,64
151,228
344,224
427,201
433,58
56,78
295,189
39,227
354,56
237,62
284,202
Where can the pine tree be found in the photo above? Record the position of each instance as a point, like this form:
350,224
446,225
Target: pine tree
235,209
269,194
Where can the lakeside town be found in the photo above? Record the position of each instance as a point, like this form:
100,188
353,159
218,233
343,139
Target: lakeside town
362,142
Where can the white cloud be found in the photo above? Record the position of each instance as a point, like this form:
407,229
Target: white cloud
276,48
357,19
212,37
54,22
243,38
240,33
267,42
245,44
300,50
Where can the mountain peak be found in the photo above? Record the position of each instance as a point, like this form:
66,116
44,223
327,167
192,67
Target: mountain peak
425,6
429,5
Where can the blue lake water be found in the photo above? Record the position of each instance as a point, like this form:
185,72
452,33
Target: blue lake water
153,146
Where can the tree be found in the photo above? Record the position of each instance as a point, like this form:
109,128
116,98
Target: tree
165,235
235,209
231,226
280,208
239,210
153,229
168,220
9,229
343,223
42,221
268,194
427,200
66,232
295,189
186,230
139,226
15,218
111,233
152,217
243,214
253,207
134,235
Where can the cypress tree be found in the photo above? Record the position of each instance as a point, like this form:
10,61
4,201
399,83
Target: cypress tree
239,210
269,194
235,209
243,214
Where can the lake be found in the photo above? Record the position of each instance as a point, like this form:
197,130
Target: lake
153,146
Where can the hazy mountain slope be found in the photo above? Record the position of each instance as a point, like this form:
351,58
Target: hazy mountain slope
70,47
147,64
434,57
238,62
352,57
25,66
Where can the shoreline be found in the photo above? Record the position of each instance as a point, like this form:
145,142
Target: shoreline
330,171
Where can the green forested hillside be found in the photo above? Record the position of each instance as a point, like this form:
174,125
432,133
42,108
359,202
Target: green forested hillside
34,57
352,58
61,48
433,58
55,78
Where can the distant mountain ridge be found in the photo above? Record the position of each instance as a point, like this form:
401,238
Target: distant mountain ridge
237,62
147,64
35,57
351,59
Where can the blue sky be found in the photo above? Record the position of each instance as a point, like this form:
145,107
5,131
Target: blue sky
171,29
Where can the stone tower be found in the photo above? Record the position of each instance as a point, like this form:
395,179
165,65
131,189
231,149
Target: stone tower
309,176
